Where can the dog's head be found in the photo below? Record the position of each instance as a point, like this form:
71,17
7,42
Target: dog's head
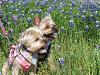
32,39
47,26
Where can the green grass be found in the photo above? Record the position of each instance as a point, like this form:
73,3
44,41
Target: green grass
76,46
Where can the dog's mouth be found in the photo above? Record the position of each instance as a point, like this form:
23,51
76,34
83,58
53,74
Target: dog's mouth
50,35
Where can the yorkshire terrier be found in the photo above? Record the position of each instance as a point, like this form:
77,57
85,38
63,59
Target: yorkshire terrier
21,56
49,30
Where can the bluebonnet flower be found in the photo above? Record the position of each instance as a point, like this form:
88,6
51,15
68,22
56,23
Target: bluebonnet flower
29,19
63,29
83,18
71,23
86,28
60,6
61,61
83,11
97,22
77,15
81,8
55,1
91,18
90,5
24,4
14,17
43,3
39,11
31,11
73,4
93,6
97,26
96,13
14,0
50,9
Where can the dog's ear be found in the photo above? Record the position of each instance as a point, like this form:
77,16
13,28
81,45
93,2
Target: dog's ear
37,20
48,17
48,20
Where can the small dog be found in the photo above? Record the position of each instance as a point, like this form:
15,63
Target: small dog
20,56
49,29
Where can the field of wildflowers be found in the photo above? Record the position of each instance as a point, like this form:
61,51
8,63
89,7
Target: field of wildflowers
75,51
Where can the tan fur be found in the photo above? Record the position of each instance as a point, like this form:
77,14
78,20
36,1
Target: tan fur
33,39
47,25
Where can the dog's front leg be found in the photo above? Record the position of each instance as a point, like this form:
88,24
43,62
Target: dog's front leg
5,68
16,69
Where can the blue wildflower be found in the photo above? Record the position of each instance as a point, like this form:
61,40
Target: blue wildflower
39,11
71,23
81,8
97,26
29,19
50,9
55,1
73,4
97,22
14,17
24,4
91,18
96,13
63,29
86,28
83,18
60,6
31,11
14,0
83,11
61,61
77,15
43,3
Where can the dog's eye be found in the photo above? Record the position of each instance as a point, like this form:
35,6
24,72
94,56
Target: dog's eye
36,39
46,27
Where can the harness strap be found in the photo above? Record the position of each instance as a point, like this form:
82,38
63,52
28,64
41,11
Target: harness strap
25,64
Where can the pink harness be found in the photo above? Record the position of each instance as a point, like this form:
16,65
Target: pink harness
19,58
